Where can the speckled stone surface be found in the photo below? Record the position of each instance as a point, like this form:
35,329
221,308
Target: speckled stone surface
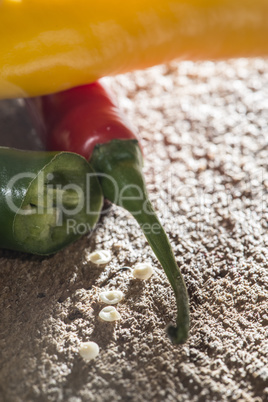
204,129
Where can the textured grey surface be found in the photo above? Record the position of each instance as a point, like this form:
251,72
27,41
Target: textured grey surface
204,130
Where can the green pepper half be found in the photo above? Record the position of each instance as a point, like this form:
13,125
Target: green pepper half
47,200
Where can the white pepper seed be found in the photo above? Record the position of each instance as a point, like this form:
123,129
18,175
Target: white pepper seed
110,314
143,271
89,350
100,257
111,296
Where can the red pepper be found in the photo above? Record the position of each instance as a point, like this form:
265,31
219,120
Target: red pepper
82,117
85,120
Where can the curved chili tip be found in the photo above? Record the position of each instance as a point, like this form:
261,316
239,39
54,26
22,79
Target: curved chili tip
86,120
119,166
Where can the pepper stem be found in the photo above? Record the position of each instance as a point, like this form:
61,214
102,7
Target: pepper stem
119,166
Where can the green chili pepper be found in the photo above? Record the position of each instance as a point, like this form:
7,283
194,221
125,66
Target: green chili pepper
44,197
119,165
87,121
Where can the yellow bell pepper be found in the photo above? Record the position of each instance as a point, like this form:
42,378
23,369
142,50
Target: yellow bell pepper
51,45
